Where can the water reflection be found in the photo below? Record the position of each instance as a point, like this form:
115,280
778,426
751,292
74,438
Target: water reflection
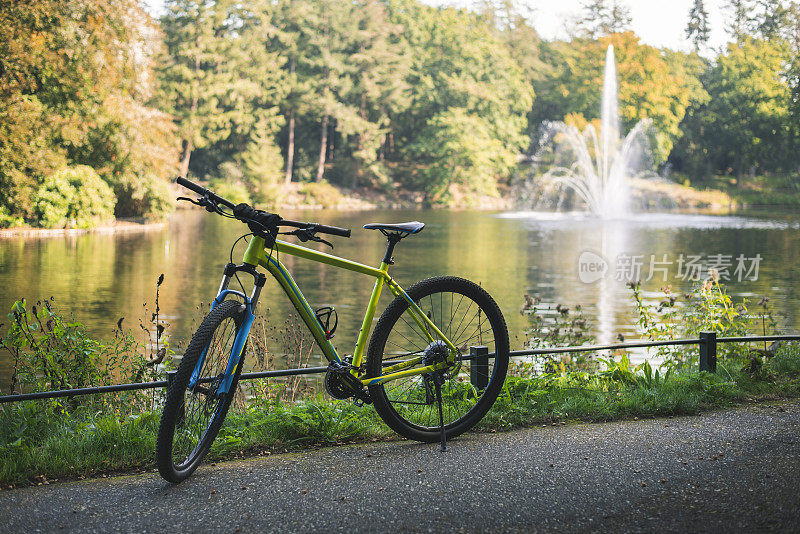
100,278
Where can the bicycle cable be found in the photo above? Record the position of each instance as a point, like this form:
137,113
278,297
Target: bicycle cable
236,274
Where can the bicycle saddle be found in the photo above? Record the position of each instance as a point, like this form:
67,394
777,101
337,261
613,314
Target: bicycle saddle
407,228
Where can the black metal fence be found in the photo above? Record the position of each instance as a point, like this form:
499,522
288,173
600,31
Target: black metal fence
479,370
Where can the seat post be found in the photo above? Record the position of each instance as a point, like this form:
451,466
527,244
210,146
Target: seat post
393,239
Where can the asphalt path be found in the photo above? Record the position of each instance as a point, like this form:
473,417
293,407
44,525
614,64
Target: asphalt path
733,470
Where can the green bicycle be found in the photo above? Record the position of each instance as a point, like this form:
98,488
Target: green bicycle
416,370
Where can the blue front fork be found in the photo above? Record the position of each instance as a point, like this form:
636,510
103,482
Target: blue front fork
241,333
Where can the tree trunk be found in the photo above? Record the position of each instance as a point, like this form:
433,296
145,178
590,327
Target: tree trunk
186,153
187,146
290,149
740,173
357,163
382,151
290,144
362,112
331,139
323,145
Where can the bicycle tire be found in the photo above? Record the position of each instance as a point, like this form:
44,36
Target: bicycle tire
174,416
399,402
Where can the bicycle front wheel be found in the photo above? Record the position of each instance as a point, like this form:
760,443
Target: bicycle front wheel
193,415
468,316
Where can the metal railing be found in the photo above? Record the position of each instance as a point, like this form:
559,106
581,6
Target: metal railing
479,371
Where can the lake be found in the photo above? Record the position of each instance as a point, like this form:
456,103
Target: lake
566,259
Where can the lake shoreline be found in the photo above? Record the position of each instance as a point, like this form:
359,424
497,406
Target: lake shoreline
662,195
120,226
362,199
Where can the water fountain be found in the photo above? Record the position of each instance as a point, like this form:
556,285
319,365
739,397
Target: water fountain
598,168
593,198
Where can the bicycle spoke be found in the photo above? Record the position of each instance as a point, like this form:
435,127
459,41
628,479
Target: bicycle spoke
464,324
202,403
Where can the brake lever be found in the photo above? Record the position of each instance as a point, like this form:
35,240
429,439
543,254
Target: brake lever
307,234
193,201
203,202
320,240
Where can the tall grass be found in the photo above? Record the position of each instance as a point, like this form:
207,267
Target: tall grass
38,443
43,440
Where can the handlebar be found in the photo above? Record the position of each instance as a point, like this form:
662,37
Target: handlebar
316,227
313,227
200,190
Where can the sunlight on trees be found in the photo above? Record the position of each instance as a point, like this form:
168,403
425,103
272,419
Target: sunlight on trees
381,94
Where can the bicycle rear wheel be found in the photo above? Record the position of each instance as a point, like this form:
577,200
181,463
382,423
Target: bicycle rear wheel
468,316
193,416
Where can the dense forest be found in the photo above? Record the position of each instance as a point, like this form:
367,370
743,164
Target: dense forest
100,104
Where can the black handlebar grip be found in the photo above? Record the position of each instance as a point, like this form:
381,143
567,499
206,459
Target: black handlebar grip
191,185
316,227
200,190
333,230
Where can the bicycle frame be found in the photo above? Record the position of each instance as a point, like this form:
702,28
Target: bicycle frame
268,258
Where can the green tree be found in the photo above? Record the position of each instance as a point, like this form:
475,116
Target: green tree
289,20
326,42
513,24
196,71
746,120
461,74
793,72
252,102
447,144
651,84
261,162
604,17
75,89
773,19
74,197
697,30
379,66
740,23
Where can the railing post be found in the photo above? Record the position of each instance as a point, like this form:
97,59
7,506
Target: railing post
708,351
479,366
170,377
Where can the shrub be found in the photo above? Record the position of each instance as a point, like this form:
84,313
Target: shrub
262,164
143,196
269,196
706,307
50,352
321,194
8,220
236,192
556,326
74,197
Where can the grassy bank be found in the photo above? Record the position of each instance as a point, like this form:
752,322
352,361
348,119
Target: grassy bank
765,191
39,442
754,199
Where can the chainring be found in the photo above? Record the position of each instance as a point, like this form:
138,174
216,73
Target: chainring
340,384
